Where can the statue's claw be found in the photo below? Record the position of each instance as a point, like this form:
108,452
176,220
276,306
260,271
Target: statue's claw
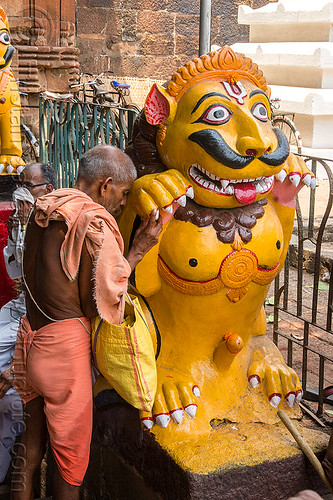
164,191
147,419
172,400
296,170
281,381
298,396
290,180
162,420
191,410
177,415
9,164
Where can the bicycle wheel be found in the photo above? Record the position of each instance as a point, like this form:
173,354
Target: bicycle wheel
289,129
30,146
133,106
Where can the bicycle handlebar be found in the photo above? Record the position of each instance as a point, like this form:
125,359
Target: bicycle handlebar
96,80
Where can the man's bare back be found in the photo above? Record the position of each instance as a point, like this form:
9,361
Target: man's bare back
55,295
105,176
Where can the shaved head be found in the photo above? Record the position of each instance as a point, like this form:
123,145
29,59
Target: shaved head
105,161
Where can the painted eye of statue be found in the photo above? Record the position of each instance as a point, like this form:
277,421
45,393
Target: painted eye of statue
5,38
215,115
259,110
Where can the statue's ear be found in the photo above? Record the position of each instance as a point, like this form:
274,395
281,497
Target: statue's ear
159,105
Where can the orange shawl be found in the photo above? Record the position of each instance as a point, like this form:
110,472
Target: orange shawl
90,222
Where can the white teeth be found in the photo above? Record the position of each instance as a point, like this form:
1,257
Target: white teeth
20,169
262,184
229,189
191,410
2,166
157,214
147,422
182,201
163,420
295,179
281,175
190,193
168,209
10,169
177,416
313,183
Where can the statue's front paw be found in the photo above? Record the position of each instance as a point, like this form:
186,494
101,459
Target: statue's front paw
281,382
173,399
165,192
11,164
290,180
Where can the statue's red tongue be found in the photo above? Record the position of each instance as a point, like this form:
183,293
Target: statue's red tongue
245,192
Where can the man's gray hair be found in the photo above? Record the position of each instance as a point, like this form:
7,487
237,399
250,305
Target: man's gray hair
105,161
48,173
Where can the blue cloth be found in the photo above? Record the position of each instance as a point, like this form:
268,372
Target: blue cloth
11,411
11,426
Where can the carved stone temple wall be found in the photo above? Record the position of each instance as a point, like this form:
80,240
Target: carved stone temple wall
43,33
140,40
150,38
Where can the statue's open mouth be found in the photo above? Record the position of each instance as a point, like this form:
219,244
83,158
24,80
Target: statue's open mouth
245,190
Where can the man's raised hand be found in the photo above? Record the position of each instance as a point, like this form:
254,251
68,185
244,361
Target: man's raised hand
145,238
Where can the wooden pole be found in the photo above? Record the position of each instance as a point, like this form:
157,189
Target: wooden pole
304,447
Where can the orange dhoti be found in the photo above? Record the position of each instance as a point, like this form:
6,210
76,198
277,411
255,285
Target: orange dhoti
55,362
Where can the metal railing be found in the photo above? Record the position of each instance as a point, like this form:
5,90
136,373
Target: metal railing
303,292
67,129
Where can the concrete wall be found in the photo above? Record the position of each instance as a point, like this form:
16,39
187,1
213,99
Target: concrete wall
150,38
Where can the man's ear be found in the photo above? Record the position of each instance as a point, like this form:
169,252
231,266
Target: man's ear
104,185
49,188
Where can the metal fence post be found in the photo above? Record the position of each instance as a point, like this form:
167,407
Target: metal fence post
205,24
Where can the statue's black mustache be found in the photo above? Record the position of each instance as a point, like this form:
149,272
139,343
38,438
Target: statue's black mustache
214,144
7,56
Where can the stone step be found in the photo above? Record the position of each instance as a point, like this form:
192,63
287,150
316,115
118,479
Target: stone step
286,21
296,64
288,12
314,112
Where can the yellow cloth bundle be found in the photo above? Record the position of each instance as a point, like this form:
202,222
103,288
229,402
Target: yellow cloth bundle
124,354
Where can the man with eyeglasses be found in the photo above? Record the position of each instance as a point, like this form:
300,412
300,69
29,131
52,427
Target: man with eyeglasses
36,180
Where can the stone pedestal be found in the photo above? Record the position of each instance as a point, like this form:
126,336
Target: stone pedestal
129,463
292,42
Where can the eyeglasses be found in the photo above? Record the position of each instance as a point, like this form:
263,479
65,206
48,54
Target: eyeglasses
28,185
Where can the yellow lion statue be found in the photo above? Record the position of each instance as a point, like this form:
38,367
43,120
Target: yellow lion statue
10,132
223,179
